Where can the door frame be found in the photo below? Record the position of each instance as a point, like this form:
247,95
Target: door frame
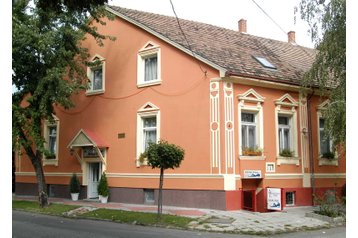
89,177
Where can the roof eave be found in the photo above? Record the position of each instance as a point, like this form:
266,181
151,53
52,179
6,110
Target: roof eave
221,70
262,81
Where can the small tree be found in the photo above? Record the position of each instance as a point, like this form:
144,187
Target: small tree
163,156
75,185
102,188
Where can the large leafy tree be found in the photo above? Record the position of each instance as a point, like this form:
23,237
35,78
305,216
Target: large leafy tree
327,21
163,156
48,64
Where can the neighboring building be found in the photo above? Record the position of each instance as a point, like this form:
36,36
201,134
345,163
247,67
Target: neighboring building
230,99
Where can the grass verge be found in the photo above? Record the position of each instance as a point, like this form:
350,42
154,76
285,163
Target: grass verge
140,218
52,209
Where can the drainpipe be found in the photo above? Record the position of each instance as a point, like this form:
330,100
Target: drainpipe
310,141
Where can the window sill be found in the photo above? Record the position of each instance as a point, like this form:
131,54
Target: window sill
94,92
50,162
150,83
248,157
288,160
324,161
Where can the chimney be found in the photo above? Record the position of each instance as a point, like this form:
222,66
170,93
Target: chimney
291,37
242,26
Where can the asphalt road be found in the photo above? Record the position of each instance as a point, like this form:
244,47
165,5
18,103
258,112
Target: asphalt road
35,225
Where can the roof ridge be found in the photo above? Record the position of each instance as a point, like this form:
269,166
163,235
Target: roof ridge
212,25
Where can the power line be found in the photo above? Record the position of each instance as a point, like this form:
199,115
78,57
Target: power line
186,40
269,16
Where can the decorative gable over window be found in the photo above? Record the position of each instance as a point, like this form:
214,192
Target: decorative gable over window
149,65
251,96
287,101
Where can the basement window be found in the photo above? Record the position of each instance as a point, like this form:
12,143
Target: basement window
148,195
290,198
264,62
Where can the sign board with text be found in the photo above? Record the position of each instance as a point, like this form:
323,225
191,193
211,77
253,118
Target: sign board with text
252,174
274,199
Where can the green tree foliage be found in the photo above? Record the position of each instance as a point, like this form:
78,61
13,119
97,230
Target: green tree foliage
327,21
75,184
48,66
163,156
103,188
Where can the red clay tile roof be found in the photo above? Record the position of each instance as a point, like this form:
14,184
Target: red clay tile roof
230,49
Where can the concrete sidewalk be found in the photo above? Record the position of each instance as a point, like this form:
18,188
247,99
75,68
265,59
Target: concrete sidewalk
291,219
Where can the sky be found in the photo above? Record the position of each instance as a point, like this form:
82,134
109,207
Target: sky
227,13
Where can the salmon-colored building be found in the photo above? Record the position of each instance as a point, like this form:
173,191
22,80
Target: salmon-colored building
231,100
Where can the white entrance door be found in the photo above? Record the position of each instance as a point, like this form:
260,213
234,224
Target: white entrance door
94,174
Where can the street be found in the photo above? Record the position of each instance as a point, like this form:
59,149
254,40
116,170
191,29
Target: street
35,225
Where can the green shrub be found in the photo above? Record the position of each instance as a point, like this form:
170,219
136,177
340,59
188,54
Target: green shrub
328,155
287,153
103,188
328,205
75,184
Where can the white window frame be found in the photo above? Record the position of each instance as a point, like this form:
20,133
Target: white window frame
270,167
281,134
321,160
146,111
149,50
47,125
90,75
287,106
251,102
293,198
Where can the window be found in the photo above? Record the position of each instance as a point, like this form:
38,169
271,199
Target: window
290,198
148,72
91,152
148,195
251,125
51,136
284,133
286,130
248,130
148,128
149,131
264,62
151,68
325,141
96,75
52,140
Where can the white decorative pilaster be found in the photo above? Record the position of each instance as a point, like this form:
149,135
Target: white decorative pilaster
215,126
304,141
229,127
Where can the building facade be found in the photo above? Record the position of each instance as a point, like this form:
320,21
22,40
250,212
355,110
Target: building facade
229,99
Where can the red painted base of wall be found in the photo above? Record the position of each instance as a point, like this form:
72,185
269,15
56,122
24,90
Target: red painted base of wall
303,197
233,200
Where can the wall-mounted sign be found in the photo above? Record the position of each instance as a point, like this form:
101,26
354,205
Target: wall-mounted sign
252,174
274,199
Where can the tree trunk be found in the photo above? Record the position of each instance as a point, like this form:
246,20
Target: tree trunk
160,197
41,183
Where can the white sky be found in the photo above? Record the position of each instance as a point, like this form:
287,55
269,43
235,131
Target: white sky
227,13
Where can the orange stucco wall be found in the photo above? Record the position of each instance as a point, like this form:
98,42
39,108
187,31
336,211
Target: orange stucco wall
183,98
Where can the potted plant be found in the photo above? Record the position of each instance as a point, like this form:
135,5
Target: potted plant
328,155
103,189
75,187
252,151
286,153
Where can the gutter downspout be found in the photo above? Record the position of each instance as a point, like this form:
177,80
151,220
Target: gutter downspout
310,141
